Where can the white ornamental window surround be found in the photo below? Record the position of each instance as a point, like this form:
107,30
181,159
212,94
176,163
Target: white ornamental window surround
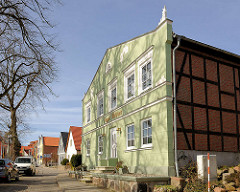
88,112
112,95
129,83
130,136
100,103
100,144
108,67
146,133
145,72
88,147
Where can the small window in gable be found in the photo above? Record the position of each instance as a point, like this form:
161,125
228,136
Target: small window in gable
113,95
129,83
100,104
145,71
88,112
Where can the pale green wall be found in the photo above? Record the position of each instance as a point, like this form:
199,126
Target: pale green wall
159,159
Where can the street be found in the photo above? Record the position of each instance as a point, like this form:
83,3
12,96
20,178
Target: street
47,179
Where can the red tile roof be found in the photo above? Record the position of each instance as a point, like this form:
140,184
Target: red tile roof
51,141
77,136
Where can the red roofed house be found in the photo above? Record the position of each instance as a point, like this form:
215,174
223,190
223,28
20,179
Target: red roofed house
47,150
26,150
29,150
74,141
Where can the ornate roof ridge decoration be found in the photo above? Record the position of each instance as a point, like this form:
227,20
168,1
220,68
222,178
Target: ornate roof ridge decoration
164,15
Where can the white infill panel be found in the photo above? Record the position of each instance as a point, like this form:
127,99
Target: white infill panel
202,165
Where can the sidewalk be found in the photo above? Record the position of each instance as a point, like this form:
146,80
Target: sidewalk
67,183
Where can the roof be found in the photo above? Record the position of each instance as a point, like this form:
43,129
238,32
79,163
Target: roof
64,136
139,36
77,136
51,141
214,51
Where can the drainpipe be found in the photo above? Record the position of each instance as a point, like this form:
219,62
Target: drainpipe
175,104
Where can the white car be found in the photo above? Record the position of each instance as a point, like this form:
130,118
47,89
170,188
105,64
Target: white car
26,165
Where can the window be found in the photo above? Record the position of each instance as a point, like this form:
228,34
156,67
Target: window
146,76
145,72
100,144
130,86
88,112
71,143
113,95
88,147
113,98
130,136
129,82
147,132
100,104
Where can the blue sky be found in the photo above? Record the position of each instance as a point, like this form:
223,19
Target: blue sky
85,29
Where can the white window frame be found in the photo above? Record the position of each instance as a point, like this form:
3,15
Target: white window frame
88,115
88,147
99,96
130,147
112,86
148,144
100,138
127,74
142,62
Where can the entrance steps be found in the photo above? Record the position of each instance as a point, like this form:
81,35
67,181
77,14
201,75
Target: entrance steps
86,176
102,169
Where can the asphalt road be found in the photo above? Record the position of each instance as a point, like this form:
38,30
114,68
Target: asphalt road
44,180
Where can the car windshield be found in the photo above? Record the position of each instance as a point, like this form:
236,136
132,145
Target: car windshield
2,162
23,160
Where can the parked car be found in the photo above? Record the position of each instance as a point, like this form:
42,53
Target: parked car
8,170
26,165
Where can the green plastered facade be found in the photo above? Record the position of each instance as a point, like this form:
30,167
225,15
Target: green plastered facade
155,103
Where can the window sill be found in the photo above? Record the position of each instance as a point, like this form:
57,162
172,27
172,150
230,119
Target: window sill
87,155
129,99
145,90
139,149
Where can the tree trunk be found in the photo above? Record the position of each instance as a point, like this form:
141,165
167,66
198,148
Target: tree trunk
15,144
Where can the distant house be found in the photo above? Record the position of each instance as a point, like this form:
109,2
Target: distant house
62,146
74,141
47,150
26,151
31,149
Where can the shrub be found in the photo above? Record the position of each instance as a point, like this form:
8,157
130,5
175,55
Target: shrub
76,160
196,186
64,161
164,188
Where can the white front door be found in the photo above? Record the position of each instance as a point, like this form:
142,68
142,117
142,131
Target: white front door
113,143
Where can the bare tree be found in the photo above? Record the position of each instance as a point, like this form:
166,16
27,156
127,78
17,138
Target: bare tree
23,20
27,66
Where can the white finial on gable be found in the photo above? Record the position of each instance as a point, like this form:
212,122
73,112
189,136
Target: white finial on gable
164,15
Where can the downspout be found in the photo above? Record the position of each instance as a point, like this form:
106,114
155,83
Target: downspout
175,104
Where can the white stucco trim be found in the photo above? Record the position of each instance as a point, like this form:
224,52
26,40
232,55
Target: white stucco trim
166,98
138,149
133,99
